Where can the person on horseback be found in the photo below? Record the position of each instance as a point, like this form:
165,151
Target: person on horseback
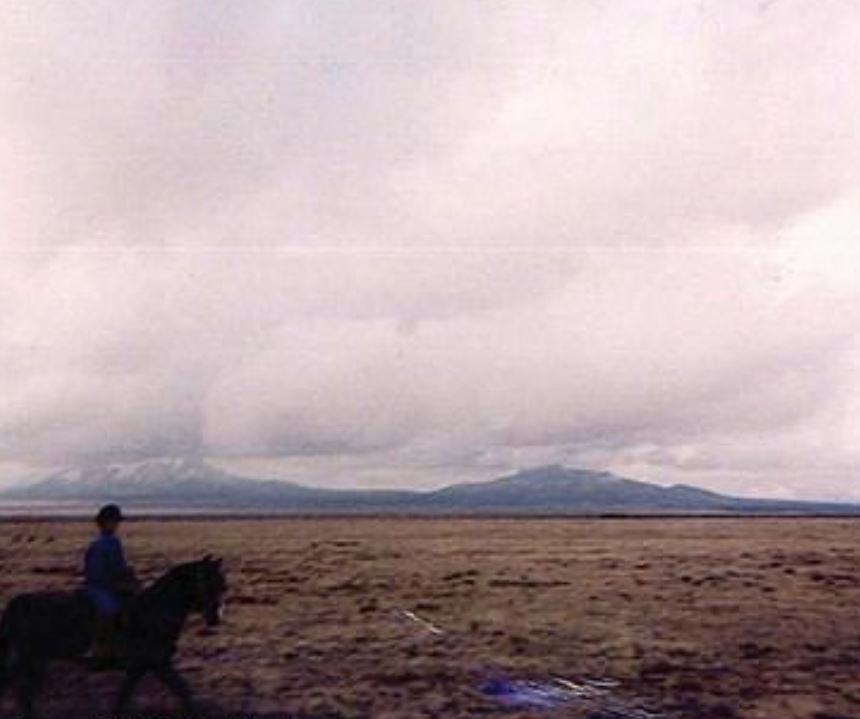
108,579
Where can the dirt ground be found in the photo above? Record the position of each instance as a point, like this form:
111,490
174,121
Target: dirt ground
695,618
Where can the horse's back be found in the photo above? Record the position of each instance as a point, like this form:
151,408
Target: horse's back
43,604
49,624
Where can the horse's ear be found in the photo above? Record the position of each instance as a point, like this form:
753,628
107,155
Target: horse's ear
207,559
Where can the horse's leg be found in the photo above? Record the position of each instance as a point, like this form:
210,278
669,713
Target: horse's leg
7,674
32,673
8,663
132,676
173,681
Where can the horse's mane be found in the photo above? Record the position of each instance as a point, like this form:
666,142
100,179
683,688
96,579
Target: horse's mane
178,572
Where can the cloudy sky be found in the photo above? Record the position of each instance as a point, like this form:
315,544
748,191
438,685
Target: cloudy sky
402,244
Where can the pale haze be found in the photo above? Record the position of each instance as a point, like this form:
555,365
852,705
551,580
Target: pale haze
406,244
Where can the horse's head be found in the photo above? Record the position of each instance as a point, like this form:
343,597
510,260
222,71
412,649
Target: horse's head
209,589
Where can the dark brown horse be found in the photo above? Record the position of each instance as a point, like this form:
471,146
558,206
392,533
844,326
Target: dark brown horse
42,626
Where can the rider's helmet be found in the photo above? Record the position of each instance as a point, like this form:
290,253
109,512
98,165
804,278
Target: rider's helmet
109,513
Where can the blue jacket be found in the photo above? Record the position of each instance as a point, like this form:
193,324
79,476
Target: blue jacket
105,569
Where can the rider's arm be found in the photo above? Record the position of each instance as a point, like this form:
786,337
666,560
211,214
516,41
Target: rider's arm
120,570
95,566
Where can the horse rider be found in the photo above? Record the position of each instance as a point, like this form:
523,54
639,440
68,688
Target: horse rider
108,579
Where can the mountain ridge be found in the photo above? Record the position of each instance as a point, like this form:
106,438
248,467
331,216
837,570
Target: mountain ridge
196,485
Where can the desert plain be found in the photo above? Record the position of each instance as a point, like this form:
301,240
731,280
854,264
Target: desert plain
693,618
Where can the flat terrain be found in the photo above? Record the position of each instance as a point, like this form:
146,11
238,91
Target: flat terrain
695,618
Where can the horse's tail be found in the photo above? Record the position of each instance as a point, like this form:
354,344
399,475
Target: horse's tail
4,637
7,621
5,648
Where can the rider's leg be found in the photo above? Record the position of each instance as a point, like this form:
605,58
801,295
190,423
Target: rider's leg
104,634
104,628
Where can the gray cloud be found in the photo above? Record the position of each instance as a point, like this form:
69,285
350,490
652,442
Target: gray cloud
398,244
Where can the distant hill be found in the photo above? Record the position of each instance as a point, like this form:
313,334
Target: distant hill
194,485
554,487
190,485
558,489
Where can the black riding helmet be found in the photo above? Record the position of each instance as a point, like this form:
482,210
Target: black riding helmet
108,513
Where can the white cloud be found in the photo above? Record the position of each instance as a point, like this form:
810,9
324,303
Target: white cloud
411,243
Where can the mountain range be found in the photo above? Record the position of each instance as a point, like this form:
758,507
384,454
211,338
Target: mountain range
196,486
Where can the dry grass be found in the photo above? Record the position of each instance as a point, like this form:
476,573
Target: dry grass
702,618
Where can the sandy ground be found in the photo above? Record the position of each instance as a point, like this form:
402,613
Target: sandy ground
695,618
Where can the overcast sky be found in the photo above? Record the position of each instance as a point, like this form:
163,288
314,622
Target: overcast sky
408,243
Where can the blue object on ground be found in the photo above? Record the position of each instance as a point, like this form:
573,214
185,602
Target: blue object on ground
591,695
525,693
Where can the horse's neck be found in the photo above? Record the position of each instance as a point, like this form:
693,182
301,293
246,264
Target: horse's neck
169,596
